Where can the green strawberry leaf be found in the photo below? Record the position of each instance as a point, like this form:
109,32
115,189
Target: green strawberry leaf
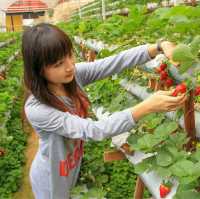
164,158
165,129
182,53
182,168
184,56
187,194
163,172
195,45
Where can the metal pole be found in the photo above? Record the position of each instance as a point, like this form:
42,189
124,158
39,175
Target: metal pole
103,9
79,8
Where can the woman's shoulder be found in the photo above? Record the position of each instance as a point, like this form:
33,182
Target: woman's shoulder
32,103
37,111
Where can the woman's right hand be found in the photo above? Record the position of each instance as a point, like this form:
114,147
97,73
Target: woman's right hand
161,101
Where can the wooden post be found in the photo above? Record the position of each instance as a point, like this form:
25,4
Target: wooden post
110,156
139,189
126,148
12,23
152,83
159,85
189,119
91,55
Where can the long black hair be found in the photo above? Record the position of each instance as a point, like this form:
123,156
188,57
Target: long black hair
43,45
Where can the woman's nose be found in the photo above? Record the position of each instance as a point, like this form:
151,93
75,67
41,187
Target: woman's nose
68,70
70,65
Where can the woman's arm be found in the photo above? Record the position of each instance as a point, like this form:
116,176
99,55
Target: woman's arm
87,72
158,102
51,120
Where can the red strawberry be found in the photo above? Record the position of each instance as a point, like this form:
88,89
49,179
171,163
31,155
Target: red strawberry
163,75
169,82
164,190
163,66
181,88
197,91
175,93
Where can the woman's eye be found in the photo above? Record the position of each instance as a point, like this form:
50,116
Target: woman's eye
58,64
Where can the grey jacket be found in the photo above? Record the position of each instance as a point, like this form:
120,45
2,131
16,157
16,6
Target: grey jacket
56,165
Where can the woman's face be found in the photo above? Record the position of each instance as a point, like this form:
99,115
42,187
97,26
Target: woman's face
60,72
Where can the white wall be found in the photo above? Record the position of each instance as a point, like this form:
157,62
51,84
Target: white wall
2,21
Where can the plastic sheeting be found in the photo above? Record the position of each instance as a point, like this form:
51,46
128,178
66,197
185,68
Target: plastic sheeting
94,44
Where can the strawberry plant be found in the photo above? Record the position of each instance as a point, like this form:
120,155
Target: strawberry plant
4,36
165,141
7,52
12,137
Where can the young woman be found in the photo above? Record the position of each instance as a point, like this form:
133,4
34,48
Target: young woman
57,106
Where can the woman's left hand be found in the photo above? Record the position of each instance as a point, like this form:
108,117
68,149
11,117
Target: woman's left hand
168,48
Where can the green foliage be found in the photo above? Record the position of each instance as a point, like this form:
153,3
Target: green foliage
195,45
110,95
11,163
106,176
149,141
187,55
12,137
7,52
5,36
83,193
165,141
154,134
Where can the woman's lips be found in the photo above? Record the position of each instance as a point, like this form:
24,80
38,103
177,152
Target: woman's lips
69,74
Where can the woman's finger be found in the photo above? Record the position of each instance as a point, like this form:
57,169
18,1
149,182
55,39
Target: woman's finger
177,99
183,100
174,108
167,93
181,105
